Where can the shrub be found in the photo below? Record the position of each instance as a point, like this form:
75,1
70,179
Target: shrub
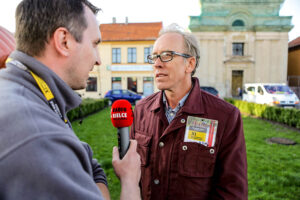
87,107
290,117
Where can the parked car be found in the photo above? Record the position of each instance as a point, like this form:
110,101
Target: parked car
211,90
116,94
275,94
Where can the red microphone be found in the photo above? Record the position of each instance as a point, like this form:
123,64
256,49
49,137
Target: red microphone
122,118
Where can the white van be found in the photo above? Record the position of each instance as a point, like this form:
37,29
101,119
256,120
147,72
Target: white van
275,94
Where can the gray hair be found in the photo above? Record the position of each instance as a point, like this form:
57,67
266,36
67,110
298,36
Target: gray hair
191,43
37,20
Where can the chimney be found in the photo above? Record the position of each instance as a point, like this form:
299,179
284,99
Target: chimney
126,20
114,20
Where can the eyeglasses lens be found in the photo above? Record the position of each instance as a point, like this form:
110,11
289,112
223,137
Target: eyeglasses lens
166,56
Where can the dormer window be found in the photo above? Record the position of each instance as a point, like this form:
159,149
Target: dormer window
238,22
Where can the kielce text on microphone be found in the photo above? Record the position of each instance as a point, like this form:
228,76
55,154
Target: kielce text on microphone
119,116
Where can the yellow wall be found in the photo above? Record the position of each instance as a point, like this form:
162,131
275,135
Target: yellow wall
124,45
104,74
294,62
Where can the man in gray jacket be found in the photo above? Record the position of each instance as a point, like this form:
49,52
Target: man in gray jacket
40,156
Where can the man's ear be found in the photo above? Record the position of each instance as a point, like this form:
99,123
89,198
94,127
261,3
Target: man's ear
62,40
191,64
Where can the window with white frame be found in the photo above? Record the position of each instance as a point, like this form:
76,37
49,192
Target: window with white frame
131,58
116,55
147,51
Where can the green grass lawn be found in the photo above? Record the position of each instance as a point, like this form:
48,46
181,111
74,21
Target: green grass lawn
273,170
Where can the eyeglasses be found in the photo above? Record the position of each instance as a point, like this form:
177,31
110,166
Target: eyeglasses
165,56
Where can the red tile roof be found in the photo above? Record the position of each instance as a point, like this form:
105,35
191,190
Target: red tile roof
7,45
130,31
294,43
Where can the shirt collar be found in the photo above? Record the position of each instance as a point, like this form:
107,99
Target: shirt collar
189,106
180,104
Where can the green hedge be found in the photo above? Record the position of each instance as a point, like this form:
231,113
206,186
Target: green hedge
88,106
290,117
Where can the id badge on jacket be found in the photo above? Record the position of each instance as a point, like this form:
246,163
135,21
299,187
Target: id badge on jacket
201,130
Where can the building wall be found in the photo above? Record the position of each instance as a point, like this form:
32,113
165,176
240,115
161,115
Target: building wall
264,59
271,57
107,70
294,62
294,69
255,24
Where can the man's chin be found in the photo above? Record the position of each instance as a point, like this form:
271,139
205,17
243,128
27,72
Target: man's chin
161,87
78,87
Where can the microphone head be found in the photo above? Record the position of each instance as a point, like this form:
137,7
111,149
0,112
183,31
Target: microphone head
121,113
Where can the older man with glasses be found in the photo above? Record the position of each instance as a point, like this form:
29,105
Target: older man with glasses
191,143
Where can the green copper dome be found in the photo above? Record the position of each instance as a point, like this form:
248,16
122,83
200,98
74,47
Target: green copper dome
240,15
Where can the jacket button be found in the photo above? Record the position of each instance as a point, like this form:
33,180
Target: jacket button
211,151
161,144
182,121
184,147
156,181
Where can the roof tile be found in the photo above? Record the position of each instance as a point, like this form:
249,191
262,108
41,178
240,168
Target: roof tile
130,31
294,43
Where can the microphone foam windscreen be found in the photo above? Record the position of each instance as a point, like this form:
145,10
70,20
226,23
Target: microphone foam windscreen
121,113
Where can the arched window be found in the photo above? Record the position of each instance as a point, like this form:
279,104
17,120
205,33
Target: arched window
238,22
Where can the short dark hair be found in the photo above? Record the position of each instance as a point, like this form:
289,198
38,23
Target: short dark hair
37,20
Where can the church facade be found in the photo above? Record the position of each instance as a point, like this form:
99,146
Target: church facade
241,41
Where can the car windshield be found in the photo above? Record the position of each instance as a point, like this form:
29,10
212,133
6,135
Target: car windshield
116,92
210,89
278,89
132,92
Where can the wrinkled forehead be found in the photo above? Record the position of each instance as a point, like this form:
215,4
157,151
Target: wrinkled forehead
169,42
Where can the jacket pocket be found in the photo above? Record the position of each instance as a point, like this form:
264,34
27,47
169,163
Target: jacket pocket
196,160
143,147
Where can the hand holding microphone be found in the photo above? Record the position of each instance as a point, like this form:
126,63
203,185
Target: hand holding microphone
127,169
122,118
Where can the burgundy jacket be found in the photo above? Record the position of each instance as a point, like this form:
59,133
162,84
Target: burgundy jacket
174,169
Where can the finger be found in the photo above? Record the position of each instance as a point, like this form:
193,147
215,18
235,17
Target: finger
115,154
133,145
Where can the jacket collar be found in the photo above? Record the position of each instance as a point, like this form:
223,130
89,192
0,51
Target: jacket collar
158,102
193,104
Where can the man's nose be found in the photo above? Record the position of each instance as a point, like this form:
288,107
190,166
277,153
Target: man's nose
158,62
98,59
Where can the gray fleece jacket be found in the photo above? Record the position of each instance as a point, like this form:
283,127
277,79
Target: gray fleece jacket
40,157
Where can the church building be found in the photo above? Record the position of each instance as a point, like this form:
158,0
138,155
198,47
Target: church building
241,41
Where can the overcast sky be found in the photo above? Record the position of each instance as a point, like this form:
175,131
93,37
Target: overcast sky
168,11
